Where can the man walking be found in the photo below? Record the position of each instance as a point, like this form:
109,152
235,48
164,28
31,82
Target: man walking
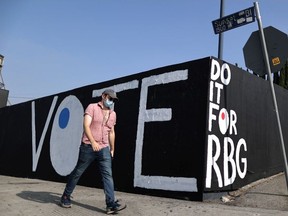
97,144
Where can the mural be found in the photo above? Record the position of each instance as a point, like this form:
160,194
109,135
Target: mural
182,131
226,122
157,115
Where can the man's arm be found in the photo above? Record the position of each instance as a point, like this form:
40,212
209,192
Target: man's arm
112,141
86,124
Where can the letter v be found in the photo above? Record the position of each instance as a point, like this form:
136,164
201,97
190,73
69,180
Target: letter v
36,152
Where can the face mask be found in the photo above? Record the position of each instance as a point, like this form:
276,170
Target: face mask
108,103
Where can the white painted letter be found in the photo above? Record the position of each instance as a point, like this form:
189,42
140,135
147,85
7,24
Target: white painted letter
212,161
151,115
215,74
66,135
36,152
211,116
243,160
228,158
233,121
225,67
223,121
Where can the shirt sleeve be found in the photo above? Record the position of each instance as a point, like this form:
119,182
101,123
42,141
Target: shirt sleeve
89,110
112,120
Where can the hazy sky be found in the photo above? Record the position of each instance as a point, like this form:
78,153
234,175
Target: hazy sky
52,46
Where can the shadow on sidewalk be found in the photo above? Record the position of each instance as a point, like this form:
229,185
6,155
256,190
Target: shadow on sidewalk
54,198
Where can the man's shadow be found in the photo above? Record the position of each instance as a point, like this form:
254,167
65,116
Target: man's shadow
48,197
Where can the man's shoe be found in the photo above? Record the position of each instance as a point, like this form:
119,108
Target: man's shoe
65,201
116,207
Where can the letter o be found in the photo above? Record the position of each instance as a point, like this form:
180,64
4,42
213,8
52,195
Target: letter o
66,135
223,121
225,67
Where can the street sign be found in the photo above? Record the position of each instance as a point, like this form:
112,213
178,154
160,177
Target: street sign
277,47
235,20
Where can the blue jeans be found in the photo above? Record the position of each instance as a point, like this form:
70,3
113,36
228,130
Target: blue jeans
104,161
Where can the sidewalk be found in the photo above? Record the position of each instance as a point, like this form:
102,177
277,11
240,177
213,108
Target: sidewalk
33,197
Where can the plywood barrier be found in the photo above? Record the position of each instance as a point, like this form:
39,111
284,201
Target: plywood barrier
182,131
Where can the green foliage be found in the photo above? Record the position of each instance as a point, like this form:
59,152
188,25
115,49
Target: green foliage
281,78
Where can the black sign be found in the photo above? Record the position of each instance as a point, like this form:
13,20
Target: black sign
234,20
277,47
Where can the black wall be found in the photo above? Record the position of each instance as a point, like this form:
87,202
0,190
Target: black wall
164,145
251,100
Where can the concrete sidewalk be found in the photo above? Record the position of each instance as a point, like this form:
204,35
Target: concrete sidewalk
21,196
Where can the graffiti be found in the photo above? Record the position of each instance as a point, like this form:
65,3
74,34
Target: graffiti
67,129
182,130
36,152
227,125
153,115
66,135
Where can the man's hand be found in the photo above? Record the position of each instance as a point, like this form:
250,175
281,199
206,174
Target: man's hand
95,146
112,153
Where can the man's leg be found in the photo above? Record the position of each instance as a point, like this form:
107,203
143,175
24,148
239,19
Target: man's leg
86,157
105,165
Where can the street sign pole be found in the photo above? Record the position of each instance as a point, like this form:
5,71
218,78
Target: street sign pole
267,64
221,35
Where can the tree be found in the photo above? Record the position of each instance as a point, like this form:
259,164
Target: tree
281,77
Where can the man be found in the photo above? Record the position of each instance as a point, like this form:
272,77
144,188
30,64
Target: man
97,144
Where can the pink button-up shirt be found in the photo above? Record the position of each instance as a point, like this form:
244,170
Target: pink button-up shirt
99,127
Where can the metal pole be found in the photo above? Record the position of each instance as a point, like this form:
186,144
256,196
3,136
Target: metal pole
221,35
1,78
267,64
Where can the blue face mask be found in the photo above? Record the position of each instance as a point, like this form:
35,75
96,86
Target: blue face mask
108,103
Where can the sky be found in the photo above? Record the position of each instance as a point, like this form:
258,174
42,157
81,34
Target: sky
52,46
